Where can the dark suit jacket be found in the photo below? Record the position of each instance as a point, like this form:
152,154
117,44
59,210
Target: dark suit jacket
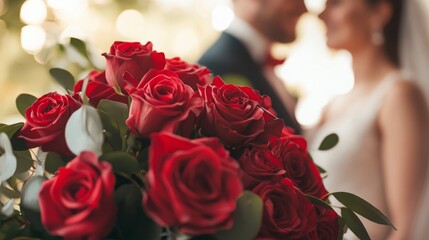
229,56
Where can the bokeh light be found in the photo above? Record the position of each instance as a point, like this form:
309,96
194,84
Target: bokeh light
65,4
184,4
222,17
314,72
33,12
103,2
33,38
187,36
315,6
130,23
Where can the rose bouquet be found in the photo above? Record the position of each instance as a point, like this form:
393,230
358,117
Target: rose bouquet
154,148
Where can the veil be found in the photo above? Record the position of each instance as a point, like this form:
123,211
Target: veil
414,56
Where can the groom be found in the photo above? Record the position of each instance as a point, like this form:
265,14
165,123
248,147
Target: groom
243,50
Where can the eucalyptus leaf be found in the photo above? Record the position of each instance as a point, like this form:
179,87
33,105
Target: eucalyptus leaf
247,219
30,193
18,144
24,161
63,77
321,170
319,202
112,132
117,111
122,162
30,202
132,220
11,130
23,101
8,161
107,148
8,209
84,131
80,46
53,162
354,223
9,193
343,228
329,142
362,207
40,164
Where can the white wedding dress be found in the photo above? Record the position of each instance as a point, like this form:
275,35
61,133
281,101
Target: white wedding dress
354,165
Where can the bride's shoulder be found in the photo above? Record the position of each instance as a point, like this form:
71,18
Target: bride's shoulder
405,97
405,90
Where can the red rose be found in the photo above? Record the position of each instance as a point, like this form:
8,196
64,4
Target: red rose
287,132
287,213
78,203
46,120
131,57
299,167
191,74
259,165
162,102
237,115
327,224
192,184
98,89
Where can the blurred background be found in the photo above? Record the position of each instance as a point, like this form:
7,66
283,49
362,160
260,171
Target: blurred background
35,36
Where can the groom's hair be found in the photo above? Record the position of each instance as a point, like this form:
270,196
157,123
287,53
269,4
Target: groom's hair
392,30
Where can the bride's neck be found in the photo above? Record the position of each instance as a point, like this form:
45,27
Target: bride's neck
370,65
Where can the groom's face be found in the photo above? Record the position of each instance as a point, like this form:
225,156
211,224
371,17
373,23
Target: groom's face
277,19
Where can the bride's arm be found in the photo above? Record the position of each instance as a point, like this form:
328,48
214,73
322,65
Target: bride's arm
403,123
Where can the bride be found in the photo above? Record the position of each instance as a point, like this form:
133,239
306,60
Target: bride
383,123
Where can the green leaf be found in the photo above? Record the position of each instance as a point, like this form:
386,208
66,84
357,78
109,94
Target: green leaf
53,162
63,77
11,130
23,101
362,207
343,228
132,220
329,142
321,170
9,193
117,111
317,201
354,223
122,162
80,46
112,133
247,219
18,144
24,161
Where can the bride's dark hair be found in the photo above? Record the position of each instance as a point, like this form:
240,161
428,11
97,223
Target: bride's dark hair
392,30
